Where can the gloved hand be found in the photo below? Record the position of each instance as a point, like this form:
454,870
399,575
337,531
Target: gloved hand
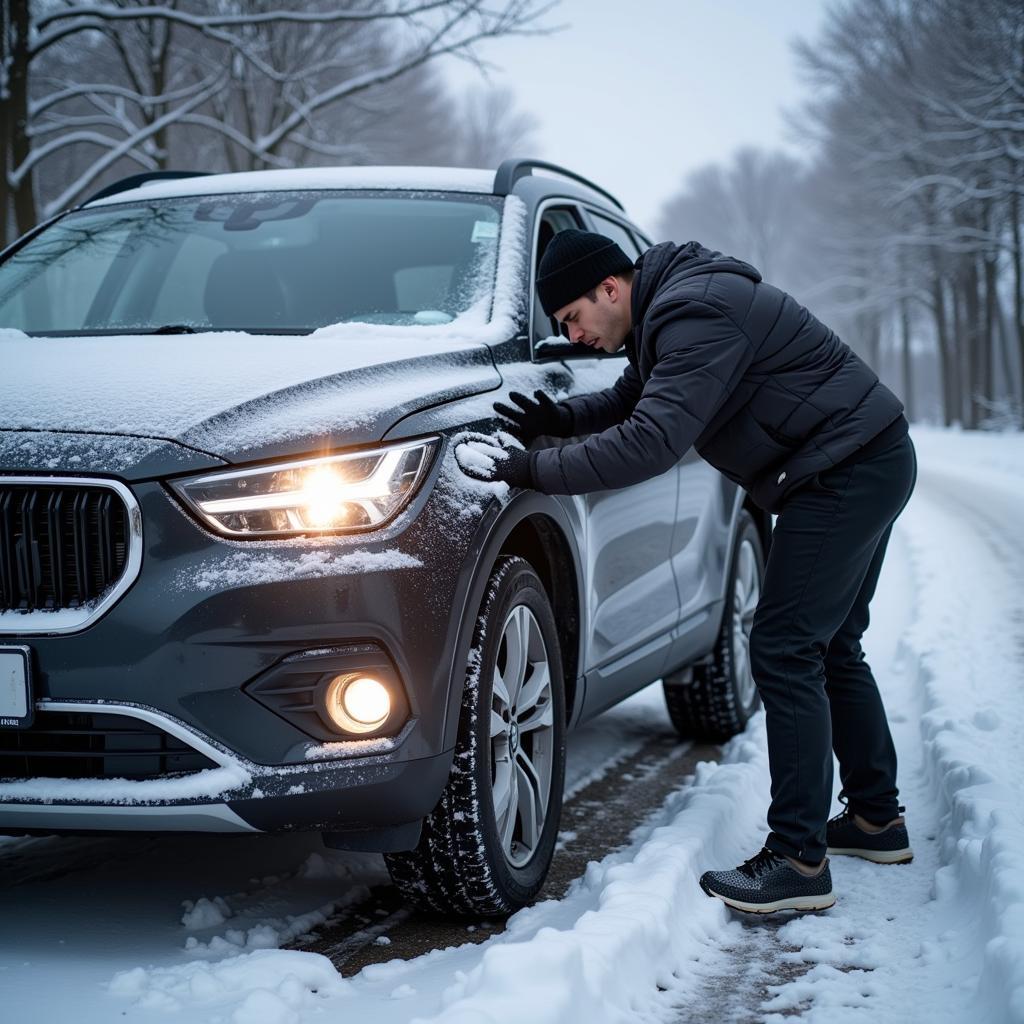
536,416
490,460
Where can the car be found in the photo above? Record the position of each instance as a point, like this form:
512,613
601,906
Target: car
243,585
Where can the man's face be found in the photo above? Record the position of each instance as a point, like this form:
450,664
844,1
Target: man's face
603,324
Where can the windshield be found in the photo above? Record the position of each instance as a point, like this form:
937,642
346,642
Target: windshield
271,261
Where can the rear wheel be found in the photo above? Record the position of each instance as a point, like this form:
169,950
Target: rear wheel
486,847
714,700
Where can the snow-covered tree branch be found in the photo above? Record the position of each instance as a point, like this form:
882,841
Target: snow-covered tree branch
89,89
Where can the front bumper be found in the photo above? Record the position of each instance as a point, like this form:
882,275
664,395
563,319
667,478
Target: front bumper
207,617
360,794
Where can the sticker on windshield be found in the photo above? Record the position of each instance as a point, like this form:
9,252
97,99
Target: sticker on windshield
484,230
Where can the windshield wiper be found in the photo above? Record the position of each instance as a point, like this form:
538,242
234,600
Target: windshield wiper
172,329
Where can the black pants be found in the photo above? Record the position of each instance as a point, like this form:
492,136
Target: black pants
818,691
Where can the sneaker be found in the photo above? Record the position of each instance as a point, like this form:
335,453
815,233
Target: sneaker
768,882
847,837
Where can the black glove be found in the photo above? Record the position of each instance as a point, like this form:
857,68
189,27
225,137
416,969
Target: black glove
494,462
536,416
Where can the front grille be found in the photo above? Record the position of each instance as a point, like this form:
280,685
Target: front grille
61,546
87,745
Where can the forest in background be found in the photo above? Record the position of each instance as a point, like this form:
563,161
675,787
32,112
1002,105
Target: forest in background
904,234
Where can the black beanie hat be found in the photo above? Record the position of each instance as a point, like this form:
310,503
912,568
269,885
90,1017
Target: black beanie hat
573,263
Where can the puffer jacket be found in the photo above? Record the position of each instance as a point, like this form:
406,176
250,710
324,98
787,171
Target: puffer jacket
738,369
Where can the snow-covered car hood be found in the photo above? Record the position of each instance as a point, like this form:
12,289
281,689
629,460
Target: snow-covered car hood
239,397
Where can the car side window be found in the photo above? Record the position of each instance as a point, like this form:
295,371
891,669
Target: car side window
552,220
617,232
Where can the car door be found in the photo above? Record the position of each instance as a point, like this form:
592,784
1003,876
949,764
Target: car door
700,533
632,604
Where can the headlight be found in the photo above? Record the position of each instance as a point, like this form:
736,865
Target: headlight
335,494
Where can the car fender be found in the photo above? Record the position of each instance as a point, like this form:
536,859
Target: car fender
496,525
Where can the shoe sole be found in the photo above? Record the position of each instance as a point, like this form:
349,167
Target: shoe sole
804,903
904,856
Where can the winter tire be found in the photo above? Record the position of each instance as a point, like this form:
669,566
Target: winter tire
714,700
486,847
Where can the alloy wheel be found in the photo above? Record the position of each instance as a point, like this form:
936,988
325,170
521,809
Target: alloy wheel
746,593
522,736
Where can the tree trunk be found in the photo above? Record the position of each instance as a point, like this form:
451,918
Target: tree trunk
19,203
946,362
988,333
906,359
973,343
1018,285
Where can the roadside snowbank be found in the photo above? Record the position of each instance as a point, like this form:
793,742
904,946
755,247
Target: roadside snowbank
646,915
966,647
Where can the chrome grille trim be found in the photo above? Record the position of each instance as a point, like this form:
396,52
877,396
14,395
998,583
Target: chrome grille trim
73,620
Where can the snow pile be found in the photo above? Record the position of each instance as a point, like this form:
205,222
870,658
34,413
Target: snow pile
203,913
643,914
266,935
263,987
966,646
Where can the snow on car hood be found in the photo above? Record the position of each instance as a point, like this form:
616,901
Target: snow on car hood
237,396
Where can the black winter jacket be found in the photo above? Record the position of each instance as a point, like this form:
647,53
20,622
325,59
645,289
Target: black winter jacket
734,367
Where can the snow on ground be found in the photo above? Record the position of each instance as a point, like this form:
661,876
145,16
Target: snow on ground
142,931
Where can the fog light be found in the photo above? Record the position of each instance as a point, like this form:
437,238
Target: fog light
358,703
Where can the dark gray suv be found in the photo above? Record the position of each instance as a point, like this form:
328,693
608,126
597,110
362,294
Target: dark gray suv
244,586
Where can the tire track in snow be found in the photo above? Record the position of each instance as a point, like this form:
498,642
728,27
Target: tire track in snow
596,820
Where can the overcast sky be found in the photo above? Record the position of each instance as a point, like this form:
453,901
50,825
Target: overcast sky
635,94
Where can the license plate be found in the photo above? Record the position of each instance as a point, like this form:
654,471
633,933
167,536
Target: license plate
16,704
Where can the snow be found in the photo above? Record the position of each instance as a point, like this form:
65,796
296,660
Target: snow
168,936
253,568
204,913
353,748
206,784
433,179
152,386
33,450
479,454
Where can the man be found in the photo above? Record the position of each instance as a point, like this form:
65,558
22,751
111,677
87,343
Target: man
769,396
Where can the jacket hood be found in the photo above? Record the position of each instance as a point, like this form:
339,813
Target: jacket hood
668,261
237,397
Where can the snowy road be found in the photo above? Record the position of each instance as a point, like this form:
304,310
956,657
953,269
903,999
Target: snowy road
100,930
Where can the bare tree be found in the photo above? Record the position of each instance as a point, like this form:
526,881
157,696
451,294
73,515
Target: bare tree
257,79
490,126
919,106
748,209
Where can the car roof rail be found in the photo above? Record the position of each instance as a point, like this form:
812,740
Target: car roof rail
134,180
511,170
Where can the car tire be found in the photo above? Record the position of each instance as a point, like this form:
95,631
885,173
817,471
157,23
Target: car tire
485,849
713,700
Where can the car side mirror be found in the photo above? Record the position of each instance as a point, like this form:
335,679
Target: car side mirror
548,349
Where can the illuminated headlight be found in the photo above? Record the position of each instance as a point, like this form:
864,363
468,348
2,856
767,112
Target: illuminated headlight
358,703
335,494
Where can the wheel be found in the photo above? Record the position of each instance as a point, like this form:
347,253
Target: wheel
486,847
714,700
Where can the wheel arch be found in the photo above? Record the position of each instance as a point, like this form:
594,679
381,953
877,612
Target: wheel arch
536,528
762,520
